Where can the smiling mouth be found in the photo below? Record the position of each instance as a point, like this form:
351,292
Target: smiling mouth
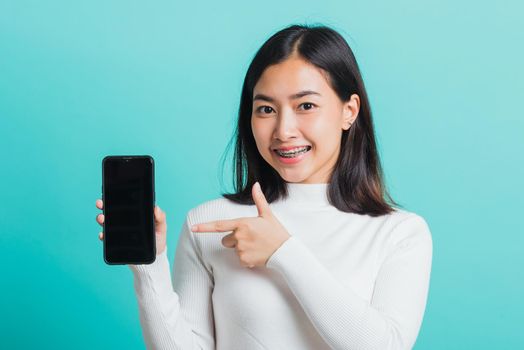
296,153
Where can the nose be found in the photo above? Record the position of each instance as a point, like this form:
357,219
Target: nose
286,125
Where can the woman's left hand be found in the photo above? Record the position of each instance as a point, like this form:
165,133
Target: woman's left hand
255,239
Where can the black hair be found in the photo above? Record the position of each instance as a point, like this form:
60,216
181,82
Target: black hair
356,184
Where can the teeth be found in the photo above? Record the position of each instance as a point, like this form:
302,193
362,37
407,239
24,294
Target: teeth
293,152
293,149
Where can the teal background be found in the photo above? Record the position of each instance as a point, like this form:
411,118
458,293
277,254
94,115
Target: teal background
81,80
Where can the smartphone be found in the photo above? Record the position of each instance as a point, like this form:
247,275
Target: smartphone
128,192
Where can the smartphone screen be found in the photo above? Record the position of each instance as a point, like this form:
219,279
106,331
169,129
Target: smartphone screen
129,198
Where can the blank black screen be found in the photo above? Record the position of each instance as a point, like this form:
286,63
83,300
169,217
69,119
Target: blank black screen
128,195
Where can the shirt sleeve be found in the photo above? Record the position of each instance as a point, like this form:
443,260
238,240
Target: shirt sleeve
392,319
176,313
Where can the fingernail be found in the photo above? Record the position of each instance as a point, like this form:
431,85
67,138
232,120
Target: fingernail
194,227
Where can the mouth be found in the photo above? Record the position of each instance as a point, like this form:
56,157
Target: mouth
296,149
292,153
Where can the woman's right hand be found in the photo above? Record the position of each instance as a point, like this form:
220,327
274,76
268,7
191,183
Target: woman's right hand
160,226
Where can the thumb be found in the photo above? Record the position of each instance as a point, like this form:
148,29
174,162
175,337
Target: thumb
260,200
160,221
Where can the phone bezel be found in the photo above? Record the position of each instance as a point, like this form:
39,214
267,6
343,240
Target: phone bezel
127,158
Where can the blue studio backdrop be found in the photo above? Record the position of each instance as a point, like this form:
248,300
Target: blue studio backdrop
83,79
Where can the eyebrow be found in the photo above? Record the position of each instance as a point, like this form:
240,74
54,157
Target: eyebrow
292,97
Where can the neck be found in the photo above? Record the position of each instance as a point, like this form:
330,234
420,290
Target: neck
300,193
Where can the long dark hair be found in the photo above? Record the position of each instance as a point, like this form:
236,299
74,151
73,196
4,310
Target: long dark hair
356,184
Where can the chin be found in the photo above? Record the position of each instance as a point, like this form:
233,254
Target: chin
295,178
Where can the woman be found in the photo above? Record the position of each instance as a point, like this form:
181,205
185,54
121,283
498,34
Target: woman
317,258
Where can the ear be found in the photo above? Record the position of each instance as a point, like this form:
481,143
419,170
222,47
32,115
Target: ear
350,112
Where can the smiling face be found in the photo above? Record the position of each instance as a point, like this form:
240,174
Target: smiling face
294,105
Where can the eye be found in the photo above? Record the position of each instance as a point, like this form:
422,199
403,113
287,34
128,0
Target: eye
266,109
308,104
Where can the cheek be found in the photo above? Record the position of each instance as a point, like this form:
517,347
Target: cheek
318,130
325,140
261,137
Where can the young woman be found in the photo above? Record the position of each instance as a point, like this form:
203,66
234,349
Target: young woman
307,253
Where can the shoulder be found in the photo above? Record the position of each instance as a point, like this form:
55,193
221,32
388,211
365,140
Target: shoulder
405,226
217,209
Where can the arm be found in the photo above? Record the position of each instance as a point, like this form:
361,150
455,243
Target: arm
393,317
178,315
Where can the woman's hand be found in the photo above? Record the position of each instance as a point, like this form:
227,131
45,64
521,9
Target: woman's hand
160,226
254,238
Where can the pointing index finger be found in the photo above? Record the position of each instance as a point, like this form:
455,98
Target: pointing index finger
215,226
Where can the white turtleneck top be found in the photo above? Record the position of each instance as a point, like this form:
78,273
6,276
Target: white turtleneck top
341,281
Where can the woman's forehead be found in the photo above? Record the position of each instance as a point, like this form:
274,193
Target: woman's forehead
286,80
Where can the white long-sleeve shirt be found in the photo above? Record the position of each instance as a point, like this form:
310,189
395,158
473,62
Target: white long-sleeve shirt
341,281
